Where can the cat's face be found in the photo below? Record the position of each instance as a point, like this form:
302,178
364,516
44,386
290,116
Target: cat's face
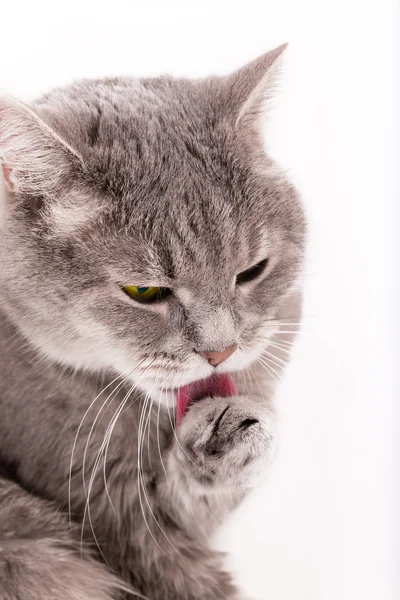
152,184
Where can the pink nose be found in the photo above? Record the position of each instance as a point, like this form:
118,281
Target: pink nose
215,358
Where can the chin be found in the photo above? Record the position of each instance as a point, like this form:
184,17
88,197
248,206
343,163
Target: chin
170,382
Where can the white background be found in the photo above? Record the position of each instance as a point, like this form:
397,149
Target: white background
326,525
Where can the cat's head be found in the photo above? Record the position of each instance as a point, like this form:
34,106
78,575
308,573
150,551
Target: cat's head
142,225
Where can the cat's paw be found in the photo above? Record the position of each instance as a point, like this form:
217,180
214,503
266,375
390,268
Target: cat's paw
226,441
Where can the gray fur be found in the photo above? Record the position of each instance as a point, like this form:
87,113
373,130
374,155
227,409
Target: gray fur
141,182
39,554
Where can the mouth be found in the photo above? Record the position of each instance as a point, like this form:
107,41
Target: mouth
218,384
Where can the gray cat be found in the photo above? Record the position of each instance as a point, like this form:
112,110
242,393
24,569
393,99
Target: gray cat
150,260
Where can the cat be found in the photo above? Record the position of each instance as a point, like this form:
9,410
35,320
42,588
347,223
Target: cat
151,257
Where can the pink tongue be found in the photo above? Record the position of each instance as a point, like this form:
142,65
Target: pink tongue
216,385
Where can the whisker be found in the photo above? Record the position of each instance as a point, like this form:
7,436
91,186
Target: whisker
148,423
269,367
107,402
149,401
98,459
279,362
262,392
286,342
285,332
87,505
158,434
247,372
107,436
279,348
140,478
76,439
176,437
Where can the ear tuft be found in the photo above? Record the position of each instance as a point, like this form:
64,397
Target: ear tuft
34,158
251,88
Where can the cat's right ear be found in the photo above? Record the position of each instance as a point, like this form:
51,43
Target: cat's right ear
249,90
34,158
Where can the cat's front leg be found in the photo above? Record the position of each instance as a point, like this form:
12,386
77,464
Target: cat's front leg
221,449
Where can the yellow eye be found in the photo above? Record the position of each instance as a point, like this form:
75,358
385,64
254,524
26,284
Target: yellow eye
145,294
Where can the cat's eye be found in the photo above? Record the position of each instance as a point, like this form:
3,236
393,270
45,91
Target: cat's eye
252,273
146,294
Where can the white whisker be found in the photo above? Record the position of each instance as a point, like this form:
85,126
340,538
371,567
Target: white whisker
76,439
91,481
279,362
140,478
278,347
149,401
285,332
107,402
148,423
98,459
269,367
262,392
176,437
158,434
108,434
285,343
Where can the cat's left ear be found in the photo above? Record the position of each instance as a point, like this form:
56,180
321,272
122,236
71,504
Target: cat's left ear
249,90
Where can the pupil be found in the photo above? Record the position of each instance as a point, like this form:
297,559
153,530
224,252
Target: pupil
142,290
